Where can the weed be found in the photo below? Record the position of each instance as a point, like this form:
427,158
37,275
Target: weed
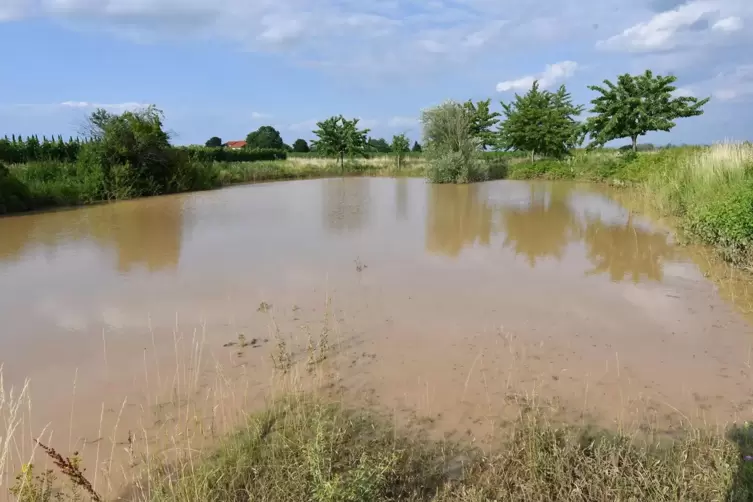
264,307
71,469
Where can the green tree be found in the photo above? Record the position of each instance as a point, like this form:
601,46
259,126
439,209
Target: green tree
400,145
482,121
301,146
417,147
378,145
214,142
453,152
540,122
636,105
265,137
340,136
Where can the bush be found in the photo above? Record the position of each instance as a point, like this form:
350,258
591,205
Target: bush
14,195
725,220
208,154
453,152
454,167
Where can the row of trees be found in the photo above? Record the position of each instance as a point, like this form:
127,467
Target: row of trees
545,123
17,150
269,138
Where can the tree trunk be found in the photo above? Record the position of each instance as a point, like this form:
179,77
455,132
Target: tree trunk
342,163
398,161
635,143
533,153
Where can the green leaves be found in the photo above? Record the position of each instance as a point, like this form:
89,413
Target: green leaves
540,122
482,121
339,136
213,142
265,137
636,105
300,146
400,146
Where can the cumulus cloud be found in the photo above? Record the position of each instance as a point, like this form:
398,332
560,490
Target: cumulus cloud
735,84
260,116
386,36
695,23
553,74
732,23
113,107
399,121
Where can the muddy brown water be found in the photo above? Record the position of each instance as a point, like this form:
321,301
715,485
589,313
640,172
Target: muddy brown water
456,305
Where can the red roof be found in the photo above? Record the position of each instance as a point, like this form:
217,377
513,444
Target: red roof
235,144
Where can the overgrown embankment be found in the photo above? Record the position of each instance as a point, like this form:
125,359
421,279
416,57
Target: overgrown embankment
709,190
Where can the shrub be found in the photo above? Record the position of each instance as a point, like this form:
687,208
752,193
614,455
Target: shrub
725,220
452,151
14,195
209,154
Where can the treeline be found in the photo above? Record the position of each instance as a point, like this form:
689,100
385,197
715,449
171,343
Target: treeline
220,154
17,150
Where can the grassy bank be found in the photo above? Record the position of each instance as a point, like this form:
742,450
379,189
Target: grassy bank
302,449
40,185
708,190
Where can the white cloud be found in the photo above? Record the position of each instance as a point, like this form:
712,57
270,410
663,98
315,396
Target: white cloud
113,107
684,91
551,76
735,84
260,116
693,24
732,23
303,126
402,122
364,38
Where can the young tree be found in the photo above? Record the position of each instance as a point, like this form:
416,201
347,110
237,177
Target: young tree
482,121
400,145
214,142
636,105
540,122
265,137
339,136
417,147
301,146
452,149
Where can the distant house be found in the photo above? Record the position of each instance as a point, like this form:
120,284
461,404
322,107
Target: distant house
235,145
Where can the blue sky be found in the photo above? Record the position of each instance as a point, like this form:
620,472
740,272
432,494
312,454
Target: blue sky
225,67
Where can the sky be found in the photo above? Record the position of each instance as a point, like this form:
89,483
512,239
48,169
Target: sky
225,67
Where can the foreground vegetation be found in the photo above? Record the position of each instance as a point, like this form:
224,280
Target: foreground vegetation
304,449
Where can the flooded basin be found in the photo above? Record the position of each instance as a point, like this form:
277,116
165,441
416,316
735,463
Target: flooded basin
459,303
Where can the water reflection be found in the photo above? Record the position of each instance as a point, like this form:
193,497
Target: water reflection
401,198
147,232
542,227
345,204
457,216
626,250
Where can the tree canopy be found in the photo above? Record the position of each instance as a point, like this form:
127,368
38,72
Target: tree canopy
417,147
300,146
540,122
340,136
636,105
482,121
400,146
379,145
214,142
265,137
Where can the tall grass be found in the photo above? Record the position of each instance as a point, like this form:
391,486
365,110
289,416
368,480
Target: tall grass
711,194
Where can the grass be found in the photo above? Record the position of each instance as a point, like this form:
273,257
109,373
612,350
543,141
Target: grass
42,185
305,448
